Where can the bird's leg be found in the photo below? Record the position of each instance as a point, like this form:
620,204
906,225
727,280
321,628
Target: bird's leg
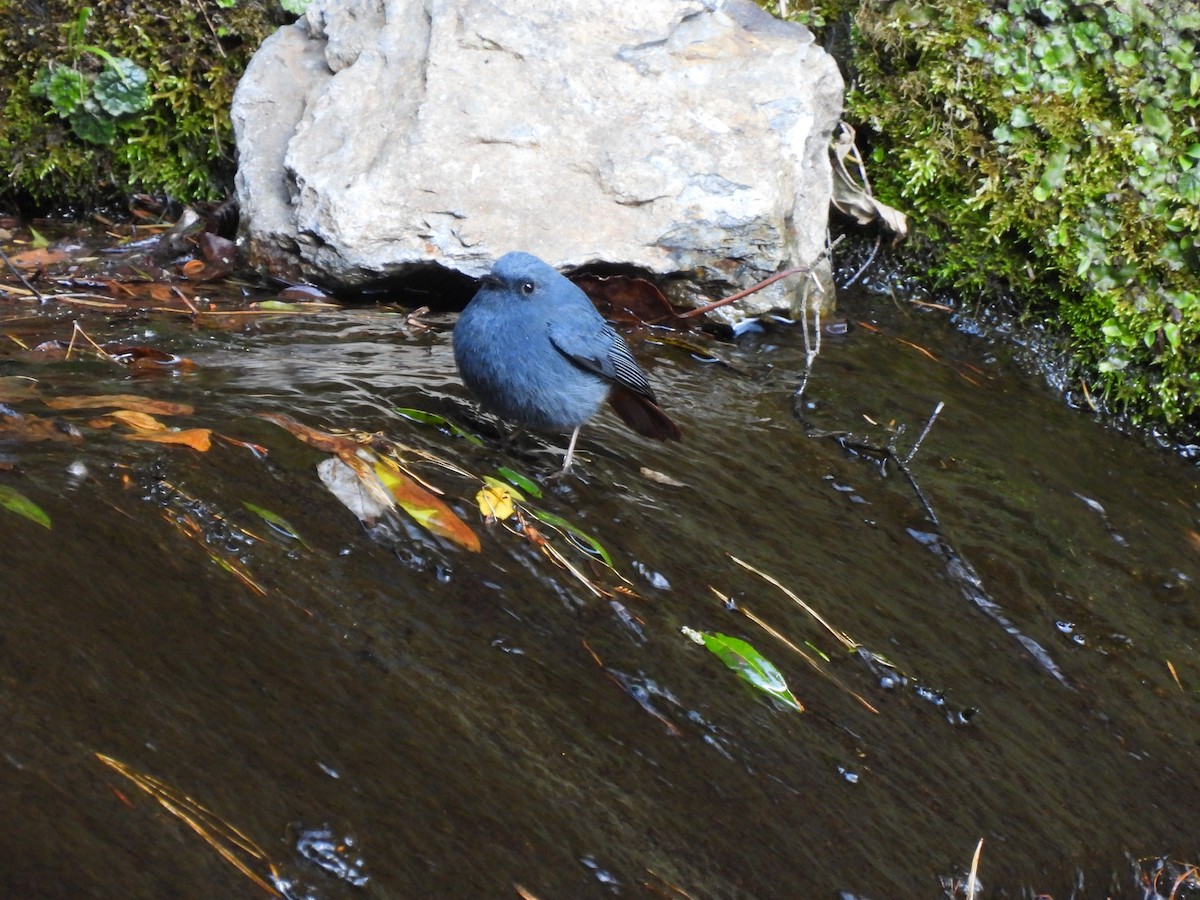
570,451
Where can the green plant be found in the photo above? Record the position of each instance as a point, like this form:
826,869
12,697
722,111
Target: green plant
1050,148
93,104
180,144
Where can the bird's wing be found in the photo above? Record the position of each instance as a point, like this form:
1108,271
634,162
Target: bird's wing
602,351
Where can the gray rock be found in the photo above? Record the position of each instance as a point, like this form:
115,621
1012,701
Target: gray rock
682,137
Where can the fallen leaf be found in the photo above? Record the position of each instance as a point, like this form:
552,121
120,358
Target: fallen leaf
16,502
38,258
17,387
277,522
748,663
593,545
15,426
853,200
626,299
122,401
428,418
428,510
314,437
496,499
137,420
148,360
368,500
197,438
516,479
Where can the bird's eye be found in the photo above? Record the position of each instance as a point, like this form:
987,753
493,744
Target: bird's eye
527,287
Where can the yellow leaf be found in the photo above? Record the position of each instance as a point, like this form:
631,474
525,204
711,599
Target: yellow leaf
495,501
137,420
430,511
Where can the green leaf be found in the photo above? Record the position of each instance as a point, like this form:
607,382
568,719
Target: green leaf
295,7
428,418
516,479
1156,121
276,521
1171,331
15,501
121,87
1052,177
91,124
749,664
559,522
1113,330
64,87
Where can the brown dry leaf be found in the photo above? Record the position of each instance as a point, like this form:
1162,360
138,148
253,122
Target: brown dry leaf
122,401
39,258
331,443
32,428
623,298
161,292
196,438
149,361
219,252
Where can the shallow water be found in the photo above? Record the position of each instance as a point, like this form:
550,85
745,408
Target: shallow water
480,721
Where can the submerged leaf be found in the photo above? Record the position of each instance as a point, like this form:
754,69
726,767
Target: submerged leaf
122,401
748,663
14,501
559,522
365,497
314,437
137,420
197,438
283,306
428,418
428,510
276,521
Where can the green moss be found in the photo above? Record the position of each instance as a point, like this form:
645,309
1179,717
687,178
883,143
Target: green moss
1050,149
181,146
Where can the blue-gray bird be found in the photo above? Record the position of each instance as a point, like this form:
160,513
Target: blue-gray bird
532,348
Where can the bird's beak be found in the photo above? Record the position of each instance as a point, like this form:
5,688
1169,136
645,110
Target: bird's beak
489,280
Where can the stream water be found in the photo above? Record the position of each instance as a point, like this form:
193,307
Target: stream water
391,707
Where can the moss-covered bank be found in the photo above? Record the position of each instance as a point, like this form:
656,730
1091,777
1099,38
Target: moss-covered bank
53,148
1050,148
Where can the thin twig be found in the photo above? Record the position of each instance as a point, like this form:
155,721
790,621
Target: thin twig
929,424
866,265
842,638
8,262
767,282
